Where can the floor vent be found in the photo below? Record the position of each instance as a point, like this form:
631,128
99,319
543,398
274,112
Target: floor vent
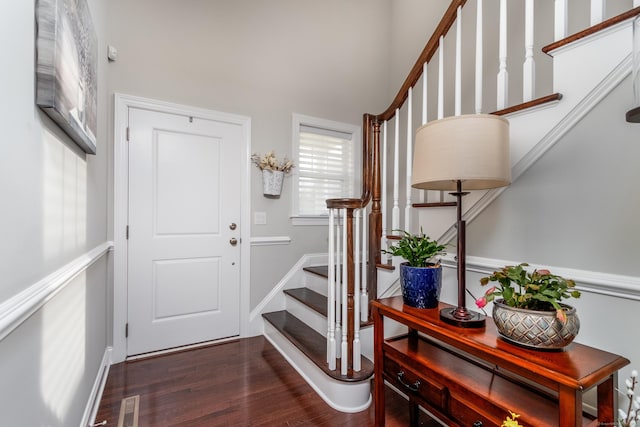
129,411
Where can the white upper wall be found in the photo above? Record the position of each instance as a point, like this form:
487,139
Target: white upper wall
54,196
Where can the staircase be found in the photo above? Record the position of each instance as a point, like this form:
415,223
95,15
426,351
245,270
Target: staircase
322,329
299,332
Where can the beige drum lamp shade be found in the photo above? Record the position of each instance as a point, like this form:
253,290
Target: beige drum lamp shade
471,148
469,152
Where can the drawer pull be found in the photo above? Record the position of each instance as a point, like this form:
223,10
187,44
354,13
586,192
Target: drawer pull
413,387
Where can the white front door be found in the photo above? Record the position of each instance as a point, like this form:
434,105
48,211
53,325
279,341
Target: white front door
184,230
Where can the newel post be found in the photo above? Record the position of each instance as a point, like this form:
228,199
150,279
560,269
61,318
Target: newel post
375,216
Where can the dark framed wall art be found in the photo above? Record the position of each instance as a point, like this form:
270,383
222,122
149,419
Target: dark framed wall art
66,68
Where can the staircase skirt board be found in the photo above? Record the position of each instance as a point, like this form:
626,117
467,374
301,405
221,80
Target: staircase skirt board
345,396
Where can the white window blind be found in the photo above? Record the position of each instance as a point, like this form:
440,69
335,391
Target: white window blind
326,165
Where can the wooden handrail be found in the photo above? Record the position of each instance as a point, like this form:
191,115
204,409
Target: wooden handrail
429,50
371,179
367,168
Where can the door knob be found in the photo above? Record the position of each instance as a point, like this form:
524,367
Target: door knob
233,226
233,241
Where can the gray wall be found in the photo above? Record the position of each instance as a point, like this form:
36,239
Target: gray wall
262,59
54,210
577,208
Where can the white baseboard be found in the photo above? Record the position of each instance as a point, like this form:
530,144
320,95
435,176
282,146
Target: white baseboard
93,403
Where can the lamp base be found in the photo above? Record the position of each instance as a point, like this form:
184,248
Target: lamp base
462,318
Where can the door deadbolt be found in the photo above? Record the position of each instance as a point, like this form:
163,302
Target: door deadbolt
233,241
233,226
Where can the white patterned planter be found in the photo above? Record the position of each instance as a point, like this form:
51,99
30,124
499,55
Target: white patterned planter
272,182
535,329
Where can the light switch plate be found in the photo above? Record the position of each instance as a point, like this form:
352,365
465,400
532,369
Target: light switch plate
260,218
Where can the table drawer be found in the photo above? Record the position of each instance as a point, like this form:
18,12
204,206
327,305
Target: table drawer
416,384
465,414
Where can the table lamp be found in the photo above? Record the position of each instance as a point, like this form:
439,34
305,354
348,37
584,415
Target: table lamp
469,152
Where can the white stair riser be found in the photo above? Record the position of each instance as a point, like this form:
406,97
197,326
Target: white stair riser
315,283
310,317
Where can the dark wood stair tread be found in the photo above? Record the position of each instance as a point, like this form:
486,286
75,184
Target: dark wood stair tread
383,266
314,345
529,104
314,301
311,299
320,270
592,30
435,205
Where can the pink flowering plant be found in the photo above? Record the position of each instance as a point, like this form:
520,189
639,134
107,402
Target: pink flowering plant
537,290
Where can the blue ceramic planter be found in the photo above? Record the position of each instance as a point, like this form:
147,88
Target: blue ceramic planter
420,285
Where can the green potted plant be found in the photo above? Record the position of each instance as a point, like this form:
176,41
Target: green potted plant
421,274
527,307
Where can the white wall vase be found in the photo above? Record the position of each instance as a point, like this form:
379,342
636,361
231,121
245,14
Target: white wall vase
272,182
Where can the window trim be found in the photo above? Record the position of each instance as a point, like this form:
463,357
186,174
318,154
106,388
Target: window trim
299,120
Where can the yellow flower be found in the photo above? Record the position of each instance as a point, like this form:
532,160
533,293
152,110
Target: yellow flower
511,420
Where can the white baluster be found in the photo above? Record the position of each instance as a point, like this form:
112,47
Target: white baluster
395,212
441,78
425,86
561,20
331,299
597,11
503,76
479,62
408,210
383,196
356,299
636,3
343,299
364,292
458,75
529,68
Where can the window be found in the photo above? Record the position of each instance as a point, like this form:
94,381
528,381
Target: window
327,166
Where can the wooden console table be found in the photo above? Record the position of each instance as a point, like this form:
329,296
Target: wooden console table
471,377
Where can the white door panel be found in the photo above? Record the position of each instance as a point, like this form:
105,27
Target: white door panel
184,187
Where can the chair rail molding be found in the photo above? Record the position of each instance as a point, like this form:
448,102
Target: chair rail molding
17,309
614,285
270,240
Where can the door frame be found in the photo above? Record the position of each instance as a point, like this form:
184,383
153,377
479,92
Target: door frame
122,104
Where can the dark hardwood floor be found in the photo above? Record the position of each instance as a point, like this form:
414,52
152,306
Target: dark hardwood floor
239,383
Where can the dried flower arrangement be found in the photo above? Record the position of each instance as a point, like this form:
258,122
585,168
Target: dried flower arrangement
270,162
